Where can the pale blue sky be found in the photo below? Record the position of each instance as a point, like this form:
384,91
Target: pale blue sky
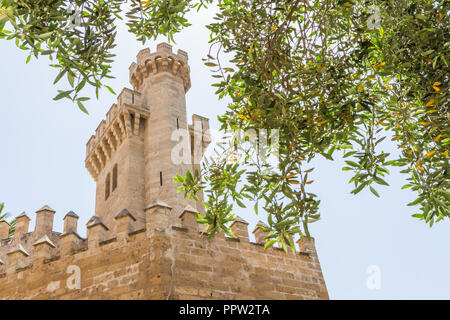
42,162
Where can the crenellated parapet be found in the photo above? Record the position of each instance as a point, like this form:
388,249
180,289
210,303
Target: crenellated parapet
168,253
163,60
123,120
19,251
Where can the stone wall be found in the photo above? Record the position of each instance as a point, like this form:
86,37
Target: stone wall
160,261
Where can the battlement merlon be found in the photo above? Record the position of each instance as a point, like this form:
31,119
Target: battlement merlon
163,60
199,129
4,229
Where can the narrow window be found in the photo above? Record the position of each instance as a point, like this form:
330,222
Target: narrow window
107,186
178,124
160,178
114,182
132,121
132,98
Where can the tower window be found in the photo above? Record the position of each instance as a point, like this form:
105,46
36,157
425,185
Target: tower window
132,120
178,124
114,179
107,186
160,178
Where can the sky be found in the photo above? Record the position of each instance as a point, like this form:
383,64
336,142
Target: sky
359,238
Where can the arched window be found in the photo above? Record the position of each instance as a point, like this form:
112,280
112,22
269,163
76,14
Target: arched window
114,179
107,186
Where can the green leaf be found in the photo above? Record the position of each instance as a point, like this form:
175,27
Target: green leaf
374,192
63,94
81,106
70,77
240,204
210,64
421,17
59,76
44,36
269,243
358,189
352,163
110,89
417,201
380,181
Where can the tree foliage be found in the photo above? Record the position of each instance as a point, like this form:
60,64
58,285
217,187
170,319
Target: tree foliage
331,75
321,73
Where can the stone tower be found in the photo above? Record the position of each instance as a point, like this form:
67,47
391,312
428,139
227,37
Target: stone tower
132,156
